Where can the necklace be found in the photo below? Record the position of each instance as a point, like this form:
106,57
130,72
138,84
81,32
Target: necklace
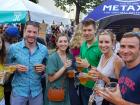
104,64
63,57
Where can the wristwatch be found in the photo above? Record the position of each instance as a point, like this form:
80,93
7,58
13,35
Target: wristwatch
89,67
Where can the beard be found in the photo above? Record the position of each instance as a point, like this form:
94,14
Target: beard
30,40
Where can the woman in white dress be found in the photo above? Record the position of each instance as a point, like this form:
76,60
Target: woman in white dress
110,63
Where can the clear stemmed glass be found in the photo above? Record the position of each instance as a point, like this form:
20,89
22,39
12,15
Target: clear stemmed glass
99,84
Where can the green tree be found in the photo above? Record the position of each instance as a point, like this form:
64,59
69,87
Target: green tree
81,5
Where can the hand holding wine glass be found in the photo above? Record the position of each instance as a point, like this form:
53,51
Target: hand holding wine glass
99,85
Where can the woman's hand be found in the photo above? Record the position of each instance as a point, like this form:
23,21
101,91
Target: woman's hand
67,64
83,63
95,74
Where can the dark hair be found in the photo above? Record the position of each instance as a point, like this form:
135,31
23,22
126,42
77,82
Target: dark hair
132,34
33,23
63,35
11,34
89,22
10,40
2,51
109,33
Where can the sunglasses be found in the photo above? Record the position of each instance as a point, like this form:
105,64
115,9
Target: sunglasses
32,23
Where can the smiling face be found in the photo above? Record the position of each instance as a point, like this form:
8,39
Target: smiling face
62,43
30,34
88,33
105,43
130,49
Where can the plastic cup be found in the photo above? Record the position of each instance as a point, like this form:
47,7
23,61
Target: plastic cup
12,68
82,78
111,86
79,69
37,65
71,73
78,59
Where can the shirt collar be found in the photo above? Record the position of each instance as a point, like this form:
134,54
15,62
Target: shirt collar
24,46
93,44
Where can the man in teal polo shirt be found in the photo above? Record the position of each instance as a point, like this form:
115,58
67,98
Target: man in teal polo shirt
91,54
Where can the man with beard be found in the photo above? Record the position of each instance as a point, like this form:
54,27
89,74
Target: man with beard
28,56
128,90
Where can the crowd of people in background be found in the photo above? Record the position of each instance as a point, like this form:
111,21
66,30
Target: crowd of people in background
69,75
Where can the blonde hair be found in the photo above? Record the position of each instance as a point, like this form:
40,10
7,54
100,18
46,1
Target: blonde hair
77,37
109,33
76,40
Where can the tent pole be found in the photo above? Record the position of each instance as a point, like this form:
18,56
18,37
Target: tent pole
29,17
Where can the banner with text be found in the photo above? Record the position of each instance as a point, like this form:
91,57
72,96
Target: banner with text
115,7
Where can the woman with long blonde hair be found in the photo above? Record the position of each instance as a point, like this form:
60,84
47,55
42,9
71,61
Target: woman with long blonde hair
76,41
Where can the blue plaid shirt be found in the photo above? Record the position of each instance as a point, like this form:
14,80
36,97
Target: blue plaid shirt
27,83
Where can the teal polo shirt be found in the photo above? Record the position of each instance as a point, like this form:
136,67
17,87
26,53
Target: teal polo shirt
92,54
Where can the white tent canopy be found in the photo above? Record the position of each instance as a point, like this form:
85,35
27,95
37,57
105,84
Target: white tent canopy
37,13
22,5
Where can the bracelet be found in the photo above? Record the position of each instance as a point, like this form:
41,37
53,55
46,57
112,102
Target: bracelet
89,67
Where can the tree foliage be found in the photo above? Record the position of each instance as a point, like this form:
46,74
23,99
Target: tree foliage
81,5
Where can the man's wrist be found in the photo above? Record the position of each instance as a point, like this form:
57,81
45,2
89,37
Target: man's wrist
120,102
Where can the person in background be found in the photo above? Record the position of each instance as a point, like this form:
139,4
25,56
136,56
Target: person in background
11,35
1,31
117,47
90,55
56,70
128,90
5,26
76,42
110,63
2,62
28,56
61,28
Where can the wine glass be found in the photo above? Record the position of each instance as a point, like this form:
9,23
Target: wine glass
99,84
